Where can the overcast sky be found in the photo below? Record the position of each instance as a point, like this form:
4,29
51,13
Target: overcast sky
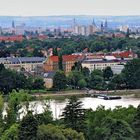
69,7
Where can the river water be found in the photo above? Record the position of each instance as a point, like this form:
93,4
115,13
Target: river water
57,106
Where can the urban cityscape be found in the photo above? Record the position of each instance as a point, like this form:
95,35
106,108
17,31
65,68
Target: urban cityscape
70,71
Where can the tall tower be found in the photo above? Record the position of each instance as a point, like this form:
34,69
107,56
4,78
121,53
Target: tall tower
74,22
106,24
93,23
102,27
13,24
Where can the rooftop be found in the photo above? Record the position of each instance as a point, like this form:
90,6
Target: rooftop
66,58
16,60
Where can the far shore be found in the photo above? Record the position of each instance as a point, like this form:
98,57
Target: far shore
83,93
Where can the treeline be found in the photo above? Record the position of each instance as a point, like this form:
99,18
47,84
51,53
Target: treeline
10,79
80,78
75,123
69,45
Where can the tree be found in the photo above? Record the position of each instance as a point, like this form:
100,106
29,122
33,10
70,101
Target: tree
10,80
131,74
136,123
73,114
1,114
11,133
85,72
38,83
46,117
77,66
82,83
14,105
117,82
59,80
2,67
60,62
28,128
96,80
55,52
110,124
74,77
107,73
51,132
37,53
114,130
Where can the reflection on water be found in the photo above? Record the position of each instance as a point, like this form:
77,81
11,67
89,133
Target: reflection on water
88,102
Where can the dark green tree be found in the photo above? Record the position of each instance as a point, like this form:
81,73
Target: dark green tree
96,80
117,82
82,83
55,52
131,74
107,73
1,115
2,67
60,62
11,133
73,78
77,66
38,84
114,130
28,128
136,123
74,115
86,72
14,105
52,132
37,53
59,80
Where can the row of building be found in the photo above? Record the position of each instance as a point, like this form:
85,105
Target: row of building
46,67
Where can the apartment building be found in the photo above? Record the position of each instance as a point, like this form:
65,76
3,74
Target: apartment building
51,63
101,64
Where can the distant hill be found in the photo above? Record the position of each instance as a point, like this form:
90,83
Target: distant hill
67,21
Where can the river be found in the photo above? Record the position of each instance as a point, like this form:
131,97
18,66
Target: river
57,106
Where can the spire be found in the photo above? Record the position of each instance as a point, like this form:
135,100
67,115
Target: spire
13,24
106,24
93,22
102,26
74,22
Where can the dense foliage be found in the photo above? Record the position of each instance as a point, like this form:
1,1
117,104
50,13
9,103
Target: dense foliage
94,43
75,123
80,78
10,79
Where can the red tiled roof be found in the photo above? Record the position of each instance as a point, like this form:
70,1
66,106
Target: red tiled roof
11,38
42,37
66,58
124,54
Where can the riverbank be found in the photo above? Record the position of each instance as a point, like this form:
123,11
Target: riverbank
60,95
82,93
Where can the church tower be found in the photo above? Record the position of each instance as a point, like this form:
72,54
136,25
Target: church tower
13,24
106,25
102,27
93,23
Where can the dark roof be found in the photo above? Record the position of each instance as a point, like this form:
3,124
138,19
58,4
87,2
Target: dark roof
49,74
16,60
103,61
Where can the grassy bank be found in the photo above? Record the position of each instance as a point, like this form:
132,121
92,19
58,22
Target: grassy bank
61,95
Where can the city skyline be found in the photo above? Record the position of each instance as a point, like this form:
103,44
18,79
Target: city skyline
66,7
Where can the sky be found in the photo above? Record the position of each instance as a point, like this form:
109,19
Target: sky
69,7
